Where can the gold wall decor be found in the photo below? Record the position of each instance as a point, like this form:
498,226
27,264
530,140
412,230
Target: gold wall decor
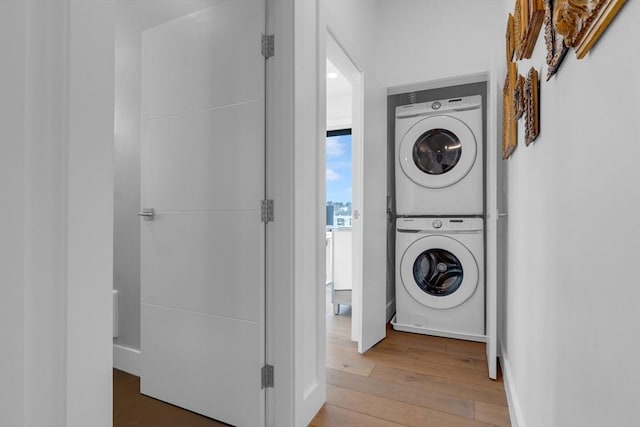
517,30
595,25
510,39
532,106
582,22
569,17
533,15
524,24
509,123
518,97
556,50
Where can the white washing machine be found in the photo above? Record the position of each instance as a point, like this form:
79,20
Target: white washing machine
440,277
439,157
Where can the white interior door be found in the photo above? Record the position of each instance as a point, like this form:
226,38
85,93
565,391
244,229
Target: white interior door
203,173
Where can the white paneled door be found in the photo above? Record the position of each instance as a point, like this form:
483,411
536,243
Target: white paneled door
203,173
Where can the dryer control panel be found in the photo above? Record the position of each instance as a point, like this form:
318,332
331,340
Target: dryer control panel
439,106
440,224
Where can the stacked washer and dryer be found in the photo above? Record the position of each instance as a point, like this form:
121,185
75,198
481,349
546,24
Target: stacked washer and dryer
439,227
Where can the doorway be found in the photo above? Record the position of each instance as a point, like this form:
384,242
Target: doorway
83,34
343,158
200,143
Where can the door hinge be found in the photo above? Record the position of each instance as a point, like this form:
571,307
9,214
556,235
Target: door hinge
266,211
267,376
268,45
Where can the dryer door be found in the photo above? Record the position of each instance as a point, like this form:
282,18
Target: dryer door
438,151
439,272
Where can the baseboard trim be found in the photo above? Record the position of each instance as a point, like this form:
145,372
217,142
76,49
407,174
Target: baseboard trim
515,412
435,332
391,309
126,359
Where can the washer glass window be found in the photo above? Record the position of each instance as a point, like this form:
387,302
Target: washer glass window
438,272
437,151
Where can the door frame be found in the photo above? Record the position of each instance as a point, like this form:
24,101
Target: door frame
299,385
337,54
295,306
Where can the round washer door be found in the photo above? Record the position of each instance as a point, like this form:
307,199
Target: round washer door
439,272
437,152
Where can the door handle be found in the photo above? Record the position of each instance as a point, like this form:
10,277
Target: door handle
147,214
502,214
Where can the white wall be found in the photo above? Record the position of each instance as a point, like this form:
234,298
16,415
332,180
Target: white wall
44,221
89,225
419,41
12,187
126,250
570,338
57,130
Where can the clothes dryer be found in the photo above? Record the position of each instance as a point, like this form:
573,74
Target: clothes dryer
439,167
440,277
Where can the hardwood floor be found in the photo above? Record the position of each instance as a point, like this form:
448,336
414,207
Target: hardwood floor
130,408
408,380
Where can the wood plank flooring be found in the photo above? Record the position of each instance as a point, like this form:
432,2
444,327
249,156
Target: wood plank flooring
408,380
130,408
